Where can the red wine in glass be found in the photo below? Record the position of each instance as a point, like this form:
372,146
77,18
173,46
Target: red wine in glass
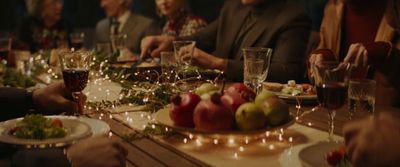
75,79
332,95
77,44
4,54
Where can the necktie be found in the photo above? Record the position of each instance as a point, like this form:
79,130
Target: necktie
114,26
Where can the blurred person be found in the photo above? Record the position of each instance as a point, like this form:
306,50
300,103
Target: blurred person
44,28
277,24
374,142
363,33
180,20
120,20
56,99
97,151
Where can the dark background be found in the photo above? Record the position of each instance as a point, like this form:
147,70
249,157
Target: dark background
86,13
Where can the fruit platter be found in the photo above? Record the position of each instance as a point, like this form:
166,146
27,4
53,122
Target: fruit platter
211,109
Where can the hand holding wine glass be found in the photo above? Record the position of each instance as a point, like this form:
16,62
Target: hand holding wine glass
75,67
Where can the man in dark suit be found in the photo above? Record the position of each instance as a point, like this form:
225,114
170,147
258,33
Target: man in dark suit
277,24
121,21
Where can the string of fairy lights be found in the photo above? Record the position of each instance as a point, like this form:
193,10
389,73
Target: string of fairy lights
270,140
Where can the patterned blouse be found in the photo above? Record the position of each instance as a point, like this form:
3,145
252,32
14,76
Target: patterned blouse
183,26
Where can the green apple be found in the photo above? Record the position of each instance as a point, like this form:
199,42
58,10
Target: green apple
206,88
249,117
276,111
264,95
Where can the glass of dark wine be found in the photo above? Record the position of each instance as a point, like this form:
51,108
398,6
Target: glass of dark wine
75,66
77,40
331,80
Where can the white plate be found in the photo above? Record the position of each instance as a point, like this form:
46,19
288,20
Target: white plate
76,130
314,155
162,118
98,127
300,97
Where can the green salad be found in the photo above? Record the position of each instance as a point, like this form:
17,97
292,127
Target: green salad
37,126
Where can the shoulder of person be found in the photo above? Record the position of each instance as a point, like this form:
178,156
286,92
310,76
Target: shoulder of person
142,19
292,12
102,23
198,20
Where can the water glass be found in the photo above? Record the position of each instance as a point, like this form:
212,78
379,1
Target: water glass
168,65
23,62
118,42
104,48
256,64
183,53
361,97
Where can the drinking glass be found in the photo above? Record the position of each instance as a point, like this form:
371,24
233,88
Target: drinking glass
75,66
168,66
118,42
361,97
104,48
77,40
256,64
183,53
331,79
5,47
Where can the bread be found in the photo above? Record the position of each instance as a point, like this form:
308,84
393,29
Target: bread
273,86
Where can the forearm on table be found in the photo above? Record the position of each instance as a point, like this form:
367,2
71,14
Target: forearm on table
14,102
40,157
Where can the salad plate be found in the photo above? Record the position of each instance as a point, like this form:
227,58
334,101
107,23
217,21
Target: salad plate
162,118
294,92
74,130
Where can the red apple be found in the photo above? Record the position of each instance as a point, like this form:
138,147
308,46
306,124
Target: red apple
236,95
182,109
212,114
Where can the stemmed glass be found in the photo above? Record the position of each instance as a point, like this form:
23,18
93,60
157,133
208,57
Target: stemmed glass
256,65
331,80
77,40
75,66
185,75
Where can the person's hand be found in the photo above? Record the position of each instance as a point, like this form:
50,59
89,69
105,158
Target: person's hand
127,55
374,142
97,151
207,61
55,99
153,45
357,55
321,55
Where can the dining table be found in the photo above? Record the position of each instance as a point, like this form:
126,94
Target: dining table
278,147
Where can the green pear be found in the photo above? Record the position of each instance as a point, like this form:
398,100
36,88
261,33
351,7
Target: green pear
206,88
264,95
276,111
207,95
249,117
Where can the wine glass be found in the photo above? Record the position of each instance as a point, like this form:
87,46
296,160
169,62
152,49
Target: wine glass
331,80
75,66
77,40
256,65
